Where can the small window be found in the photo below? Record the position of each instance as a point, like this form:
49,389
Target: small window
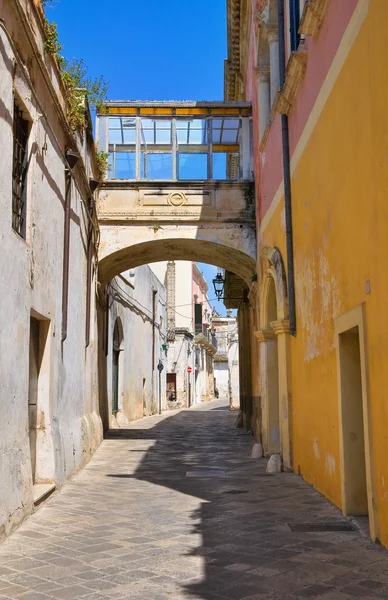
19,171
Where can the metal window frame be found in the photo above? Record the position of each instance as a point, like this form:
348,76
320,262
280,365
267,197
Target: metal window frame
142,147
19,171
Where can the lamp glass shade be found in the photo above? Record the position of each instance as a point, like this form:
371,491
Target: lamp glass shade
72,158
218,283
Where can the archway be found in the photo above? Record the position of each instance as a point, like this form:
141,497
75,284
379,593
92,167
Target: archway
272,412
123,254
274,356
118,255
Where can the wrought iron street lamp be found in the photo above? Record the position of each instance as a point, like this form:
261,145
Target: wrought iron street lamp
219,283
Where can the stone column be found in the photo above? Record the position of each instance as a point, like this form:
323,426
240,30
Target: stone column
281,329
263,84
273,41
266,337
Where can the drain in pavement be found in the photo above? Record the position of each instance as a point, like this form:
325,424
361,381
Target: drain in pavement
236,492
325,526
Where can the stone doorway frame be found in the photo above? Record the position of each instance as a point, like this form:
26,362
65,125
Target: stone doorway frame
273,271
355,318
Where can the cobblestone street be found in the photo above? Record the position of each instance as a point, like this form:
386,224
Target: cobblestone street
173,507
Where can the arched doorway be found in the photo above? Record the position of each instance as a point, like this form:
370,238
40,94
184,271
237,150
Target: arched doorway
117,350
274,356
273,426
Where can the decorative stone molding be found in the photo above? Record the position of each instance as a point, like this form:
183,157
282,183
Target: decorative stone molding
280,326
294,74
263,335
312,17
262,72
177,199
265,137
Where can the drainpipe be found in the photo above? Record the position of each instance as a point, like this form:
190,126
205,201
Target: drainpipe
66,255
287,176
89,273
72,159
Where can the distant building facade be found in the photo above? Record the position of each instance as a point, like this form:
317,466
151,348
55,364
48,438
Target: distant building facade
189,361
137,334
226,359
314,73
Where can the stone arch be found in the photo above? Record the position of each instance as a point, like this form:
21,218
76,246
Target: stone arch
274,356
273,271
121,257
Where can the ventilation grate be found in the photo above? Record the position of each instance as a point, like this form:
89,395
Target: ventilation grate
325,526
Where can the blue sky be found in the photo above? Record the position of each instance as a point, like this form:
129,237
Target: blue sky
149,50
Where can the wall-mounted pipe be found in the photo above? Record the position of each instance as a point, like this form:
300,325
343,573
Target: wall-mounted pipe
66,254
89,273
287,176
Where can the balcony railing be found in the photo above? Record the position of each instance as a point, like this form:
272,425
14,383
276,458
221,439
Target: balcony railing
204,337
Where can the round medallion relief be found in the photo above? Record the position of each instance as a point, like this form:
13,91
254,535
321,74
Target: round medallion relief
177,198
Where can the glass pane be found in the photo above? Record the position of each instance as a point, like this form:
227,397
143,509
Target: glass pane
148,136
114,123
231,123
229,136
159,165
217,123
182,137
163,124
111,174
129,136
192,166
219,165
125,165
216,136
115,136
192,132
163,136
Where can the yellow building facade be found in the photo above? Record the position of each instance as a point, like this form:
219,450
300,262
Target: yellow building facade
324,391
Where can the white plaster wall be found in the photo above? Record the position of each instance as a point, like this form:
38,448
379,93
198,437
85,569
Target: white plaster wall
234,376
183,290
221,373
180,356
131,300
31,285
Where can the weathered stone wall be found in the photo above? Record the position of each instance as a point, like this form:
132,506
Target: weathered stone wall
67,427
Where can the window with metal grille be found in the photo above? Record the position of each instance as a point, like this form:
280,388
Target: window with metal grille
19,171
294,24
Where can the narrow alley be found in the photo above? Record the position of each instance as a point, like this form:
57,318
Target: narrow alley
174,507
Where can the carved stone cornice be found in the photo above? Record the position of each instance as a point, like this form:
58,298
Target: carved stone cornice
280,326
294,74
265,137
263,335
312,17
262,72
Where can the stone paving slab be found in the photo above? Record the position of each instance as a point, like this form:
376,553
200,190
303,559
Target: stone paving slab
133,525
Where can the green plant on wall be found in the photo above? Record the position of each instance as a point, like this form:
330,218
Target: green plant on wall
78,83
102,159
51,42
